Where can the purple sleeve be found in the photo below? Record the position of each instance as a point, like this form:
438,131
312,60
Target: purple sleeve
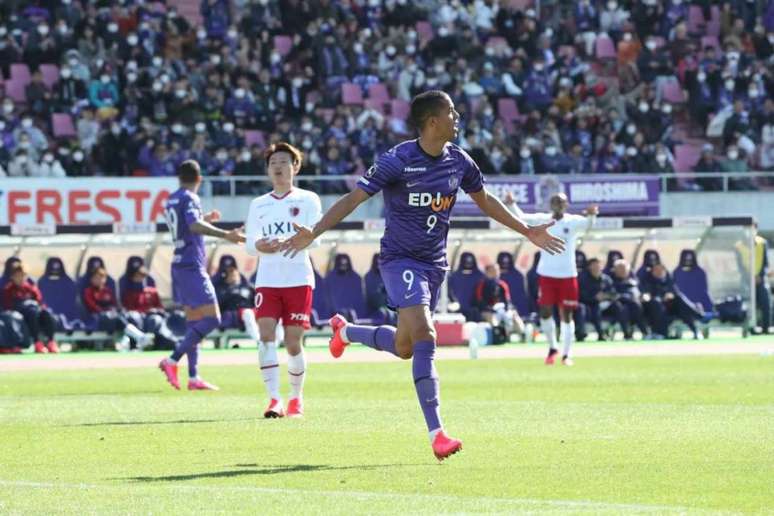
192,211
384,172
473,180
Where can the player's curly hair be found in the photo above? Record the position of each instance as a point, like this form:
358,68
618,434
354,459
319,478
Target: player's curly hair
296,155
425,105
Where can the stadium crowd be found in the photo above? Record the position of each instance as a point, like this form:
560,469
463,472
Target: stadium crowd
105,88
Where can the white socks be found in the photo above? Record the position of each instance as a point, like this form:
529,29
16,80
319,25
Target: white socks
568,334
251,327
267,358
548,327
296,374
344,336
134,332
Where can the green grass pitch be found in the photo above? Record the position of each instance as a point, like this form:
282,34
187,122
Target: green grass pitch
610,436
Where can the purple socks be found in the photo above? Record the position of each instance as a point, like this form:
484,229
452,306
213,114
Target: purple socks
381,338
427,383
195,332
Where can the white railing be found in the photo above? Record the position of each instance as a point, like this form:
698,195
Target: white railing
678,182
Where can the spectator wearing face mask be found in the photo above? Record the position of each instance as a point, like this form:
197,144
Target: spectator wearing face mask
28,136
88,130
22,165
38,95
103,95
702,99
40,47
49,166
553,161
69,91
612,19
526,162
708,163
111,152
735,162
240,108
738,124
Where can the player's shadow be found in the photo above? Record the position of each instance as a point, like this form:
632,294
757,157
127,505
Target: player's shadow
257,469
176,422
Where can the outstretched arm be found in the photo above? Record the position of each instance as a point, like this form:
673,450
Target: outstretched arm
305,235
538,235
202,227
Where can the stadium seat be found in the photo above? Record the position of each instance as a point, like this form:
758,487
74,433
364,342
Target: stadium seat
612,256
283,44
351,93
508,110
15,89
580,260
83,281
691,279
21,72
374,288
532,285
686,157
226,261
649,259
59,293
399,109
463,282
515,281
673,92
254,137
710,41
50,74
695,19
63,126
133,263
321,303
424,31
375,105
345,289
496,42
378,92
605,49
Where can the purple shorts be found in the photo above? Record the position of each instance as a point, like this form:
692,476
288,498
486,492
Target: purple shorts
410,283
192,287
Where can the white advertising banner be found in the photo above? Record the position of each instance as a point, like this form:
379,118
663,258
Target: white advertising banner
93,200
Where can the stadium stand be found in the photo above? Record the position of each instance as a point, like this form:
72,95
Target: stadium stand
133,88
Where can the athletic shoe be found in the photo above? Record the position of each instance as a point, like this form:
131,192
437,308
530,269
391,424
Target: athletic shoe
170,371
197,384
52,347
444,446
145,341
551,358
337,344
295,408
567,361
275,409
40,348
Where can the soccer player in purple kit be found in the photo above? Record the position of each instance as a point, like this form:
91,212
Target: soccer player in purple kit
420,179
190,282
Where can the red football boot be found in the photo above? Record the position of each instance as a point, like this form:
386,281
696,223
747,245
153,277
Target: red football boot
444,446
337,344
275,409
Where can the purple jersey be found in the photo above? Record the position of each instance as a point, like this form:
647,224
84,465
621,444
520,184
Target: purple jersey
182,209
419,193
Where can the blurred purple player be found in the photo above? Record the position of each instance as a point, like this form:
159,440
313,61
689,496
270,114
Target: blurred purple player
420,180
190,282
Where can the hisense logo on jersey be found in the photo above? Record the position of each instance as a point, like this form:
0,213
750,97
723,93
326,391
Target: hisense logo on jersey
436,202
415,169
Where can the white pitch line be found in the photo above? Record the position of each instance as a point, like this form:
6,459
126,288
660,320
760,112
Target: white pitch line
578,504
